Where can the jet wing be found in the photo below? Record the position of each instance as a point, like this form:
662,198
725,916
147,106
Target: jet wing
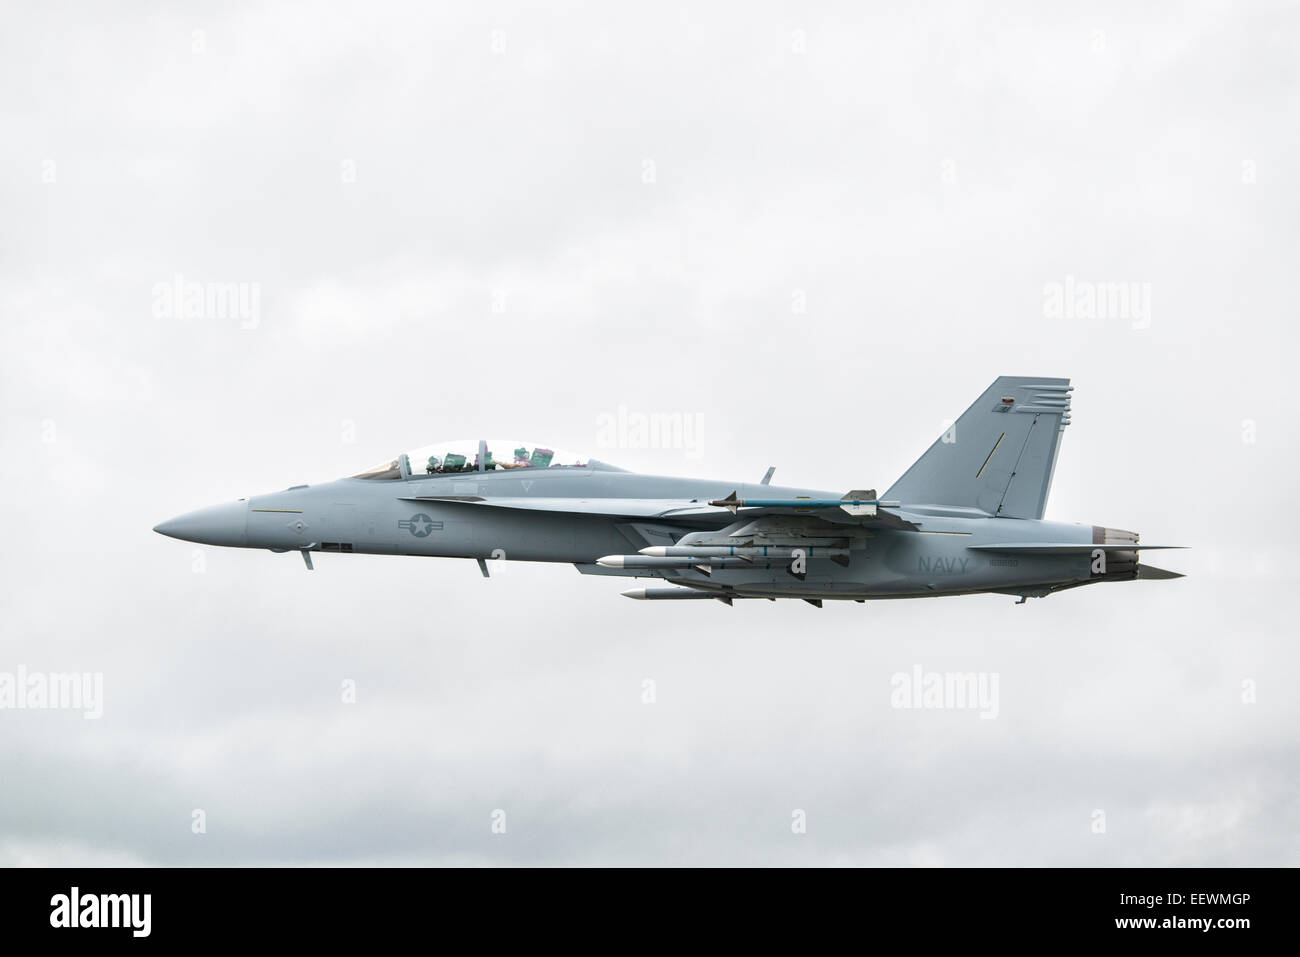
616,507
856,508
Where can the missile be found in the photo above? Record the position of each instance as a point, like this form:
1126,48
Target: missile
748,552
640,561
672,594
676,561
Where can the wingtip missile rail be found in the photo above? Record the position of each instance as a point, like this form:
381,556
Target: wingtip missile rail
855,503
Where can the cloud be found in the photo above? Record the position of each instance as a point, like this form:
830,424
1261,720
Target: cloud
847,228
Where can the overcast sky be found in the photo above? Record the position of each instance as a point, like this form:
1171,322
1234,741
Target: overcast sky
817,230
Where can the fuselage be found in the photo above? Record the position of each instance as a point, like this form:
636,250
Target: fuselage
966,517
452,516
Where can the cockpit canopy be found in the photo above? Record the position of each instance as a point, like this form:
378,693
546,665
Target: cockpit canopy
449,458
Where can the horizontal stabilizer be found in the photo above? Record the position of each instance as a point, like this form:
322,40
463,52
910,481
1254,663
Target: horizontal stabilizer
1151,573
1061,548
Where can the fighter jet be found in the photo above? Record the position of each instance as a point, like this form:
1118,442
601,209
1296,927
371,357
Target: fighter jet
966,518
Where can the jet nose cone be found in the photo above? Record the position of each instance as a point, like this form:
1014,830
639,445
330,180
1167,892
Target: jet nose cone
216,525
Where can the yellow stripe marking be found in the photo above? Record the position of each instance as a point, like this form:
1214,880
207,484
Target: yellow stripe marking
986,461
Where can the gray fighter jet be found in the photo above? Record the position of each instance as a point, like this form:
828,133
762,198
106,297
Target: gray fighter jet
967,517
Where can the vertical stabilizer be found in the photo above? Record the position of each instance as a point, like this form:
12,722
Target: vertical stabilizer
999,456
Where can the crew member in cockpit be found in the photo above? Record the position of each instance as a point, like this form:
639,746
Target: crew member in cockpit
521,460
